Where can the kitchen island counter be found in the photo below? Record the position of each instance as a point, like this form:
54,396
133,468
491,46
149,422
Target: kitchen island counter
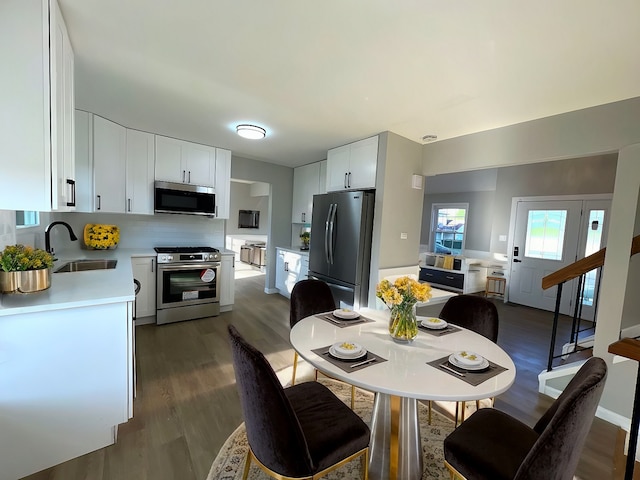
80,289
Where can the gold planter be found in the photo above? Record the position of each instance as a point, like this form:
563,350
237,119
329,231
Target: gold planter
28,281
9,281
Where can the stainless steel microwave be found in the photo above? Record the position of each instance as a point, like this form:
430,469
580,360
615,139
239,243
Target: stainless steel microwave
184,198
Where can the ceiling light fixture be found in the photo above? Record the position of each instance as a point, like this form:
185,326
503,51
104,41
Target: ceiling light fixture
251,131
429,138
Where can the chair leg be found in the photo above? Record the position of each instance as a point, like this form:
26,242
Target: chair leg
429,412
365,465
247,465
464,410
295,367
353,396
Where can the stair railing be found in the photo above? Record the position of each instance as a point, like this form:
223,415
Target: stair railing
578,269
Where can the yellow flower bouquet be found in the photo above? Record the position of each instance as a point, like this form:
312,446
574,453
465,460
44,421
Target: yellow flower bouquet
24,269
101,237
401,297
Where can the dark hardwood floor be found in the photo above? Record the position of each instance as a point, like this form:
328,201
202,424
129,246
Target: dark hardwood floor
187,404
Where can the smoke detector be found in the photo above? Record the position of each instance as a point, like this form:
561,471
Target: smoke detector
429,138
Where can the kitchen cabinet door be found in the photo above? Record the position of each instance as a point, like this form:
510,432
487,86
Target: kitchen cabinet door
36,94
353,166
363,160
109,165
140,159
84,161
306,184
337,168
169,160
288,267
199,164
144,271
227,282
223,182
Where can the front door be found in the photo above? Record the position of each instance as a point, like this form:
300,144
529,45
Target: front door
550,234
545,240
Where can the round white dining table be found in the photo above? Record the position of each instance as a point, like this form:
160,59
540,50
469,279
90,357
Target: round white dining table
395,448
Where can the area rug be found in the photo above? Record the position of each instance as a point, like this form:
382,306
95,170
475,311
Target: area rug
229,463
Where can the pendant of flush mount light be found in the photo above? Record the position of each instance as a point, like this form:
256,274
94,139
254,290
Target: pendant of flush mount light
252,132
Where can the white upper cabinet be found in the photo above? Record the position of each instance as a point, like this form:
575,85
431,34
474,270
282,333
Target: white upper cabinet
306,184
37,121
140,172
353,166
223,182
109,165
185,162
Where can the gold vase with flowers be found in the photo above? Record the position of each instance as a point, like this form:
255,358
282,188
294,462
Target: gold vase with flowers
25,269
401,297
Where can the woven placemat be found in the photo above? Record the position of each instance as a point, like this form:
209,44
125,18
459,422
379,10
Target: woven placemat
349,365
474,378
439,332
339,322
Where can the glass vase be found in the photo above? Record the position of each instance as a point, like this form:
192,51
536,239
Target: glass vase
403,323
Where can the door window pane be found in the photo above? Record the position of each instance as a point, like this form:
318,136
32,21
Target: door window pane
594,243
545,234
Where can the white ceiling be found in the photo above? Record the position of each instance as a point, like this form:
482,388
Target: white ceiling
321,74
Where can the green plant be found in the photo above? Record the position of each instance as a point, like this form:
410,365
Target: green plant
19,258
305,236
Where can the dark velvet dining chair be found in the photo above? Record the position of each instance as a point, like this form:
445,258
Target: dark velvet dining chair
492,445
476,314
309,297
303,431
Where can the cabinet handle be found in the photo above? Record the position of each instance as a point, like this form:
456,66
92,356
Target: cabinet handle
184,175
286,266
449,278
302,217
345,179
128,205
99,202
72,203
152,265
349,182
189,181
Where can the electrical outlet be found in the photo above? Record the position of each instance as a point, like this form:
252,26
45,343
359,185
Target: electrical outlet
403,235
502,238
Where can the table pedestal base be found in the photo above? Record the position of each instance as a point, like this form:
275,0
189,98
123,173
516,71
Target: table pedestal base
395,450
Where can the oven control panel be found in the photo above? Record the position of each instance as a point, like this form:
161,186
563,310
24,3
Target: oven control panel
188,257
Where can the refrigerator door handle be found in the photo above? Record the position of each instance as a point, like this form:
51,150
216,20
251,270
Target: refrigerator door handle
332,214
326,234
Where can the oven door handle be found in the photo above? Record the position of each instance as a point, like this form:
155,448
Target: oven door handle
191,266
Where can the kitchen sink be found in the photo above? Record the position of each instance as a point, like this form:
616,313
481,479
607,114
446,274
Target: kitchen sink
84,265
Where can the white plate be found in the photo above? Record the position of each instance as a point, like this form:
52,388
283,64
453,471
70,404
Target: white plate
334,353
482,366
347,349
434,323
346,314
468,358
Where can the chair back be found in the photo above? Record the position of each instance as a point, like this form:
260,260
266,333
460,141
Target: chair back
273,430
309,297
564,427
473,312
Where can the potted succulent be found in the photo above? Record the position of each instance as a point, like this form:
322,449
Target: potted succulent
24,269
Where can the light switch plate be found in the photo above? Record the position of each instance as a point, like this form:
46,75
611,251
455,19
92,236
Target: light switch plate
403,235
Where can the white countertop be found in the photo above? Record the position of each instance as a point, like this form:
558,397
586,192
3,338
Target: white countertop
80,289
294,250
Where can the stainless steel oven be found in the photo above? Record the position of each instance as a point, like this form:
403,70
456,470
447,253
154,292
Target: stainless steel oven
187,283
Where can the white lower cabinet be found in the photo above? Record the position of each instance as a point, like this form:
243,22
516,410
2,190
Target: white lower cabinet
144,271
291,267
67,381
227,282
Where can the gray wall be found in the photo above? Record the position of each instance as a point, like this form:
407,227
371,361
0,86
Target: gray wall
281,180
579,176
490,211
582,133
241,199
479,217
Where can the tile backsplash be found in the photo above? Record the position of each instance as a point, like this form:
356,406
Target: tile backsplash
7,228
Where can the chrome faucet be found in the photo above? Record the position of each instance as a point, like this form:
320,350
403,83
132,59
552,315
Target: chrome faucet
47,239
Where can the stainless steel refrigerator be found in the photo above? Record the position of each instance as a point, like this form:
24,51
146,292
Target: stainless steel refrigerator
340,246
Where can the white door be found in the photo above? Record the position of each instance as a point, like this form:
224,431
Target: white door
593,237
545,240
